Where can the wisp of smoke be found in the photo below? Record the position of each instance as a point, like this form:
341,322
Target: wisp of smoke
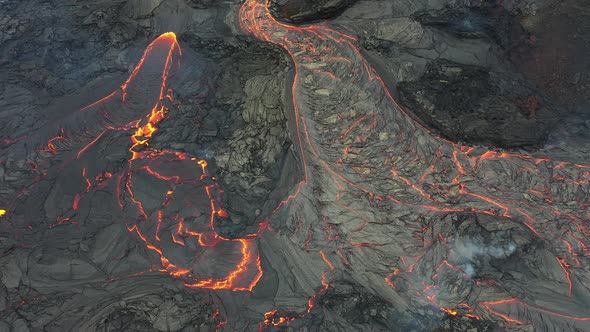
468,250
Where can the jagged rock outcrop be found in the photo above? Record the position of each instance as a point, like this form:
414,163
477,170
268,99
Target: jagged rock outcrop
302,11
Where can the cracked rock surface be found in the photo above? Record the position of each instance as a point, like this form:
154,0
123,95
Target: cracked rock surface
364,173
300,11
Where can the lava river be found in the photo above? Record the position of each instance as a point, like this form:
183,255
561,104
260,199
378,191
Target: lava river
388,190
382,201
165,197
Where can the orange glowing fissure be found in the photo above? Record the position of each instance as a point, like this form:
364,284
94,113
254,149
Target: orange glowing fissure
234,280
244,275
247,271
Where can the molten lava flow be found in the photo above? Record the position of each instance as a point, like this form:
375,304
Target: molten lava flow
350,131
2,212
350,128
246,271
190,197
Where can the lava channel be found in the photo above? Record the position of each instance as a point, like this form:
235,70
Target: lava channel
351,130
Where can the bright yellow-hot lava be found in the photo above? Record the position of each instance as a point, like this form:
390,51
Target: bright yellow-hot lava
2,212
247,271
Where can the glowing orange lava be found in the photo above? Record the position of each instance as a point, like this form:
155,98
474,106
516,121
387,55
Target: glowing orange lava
241,268
451,176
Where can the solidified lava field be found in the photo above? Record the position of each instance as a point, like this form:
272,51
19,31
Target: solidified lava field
289,165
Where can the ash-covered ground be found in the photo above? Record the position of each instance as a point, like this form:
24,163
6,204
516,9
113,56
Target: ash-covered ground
370,165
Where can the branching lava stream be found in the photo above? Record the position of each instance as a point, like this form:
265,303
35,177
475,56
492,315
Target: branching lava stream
382,200
351,130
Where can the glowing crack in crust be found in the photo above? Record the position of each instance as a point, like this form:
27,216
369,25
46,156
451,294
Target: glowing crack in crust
373,152
181,231
394,161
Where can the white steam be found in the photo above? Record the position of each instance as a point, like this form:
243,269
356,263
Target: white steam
469,249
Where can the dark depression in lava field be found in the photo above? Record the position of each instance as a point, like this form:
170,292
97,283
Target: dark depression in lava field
294,165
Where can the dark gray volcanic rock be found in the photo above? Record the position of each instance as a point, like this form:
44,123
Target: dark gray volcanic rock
492,21
472,104
389,193
360,218
555,60
301,11
73,55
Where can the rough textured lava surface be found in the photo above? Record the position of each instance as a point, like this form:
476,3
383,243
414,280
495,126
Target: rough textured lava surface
204,166
298,11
